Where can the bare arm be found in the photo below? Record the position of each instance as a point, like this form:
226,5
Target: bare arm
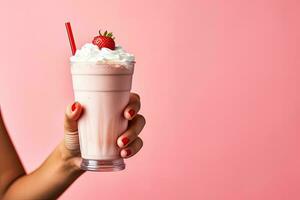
10,165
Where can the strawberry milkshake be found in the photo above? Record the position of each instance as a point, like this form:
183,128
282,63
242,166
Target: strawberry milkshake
102,76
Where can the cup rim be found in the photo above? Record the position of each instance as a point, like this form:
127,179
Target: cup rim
99,63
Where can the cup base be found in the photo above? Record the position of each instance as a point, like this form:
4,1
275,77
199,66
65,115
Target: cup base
102,165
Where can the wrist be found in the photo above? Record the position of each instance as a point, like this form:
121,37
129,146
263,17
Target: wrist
70,160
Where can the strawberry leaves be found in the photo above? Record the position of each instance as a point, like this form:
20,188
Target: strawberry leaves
107,34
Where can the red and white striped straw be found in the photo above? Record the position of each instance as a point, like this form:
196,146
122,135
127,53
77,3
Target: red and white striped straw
71,38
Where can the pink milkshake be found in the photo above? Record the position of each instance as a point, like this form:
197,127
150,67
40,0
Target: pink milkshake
101,82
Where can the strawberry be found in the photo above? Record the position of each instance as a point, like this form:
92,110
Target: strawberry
106,40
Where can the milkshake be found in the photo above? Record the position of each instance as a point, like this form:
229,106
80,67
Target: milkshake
101,76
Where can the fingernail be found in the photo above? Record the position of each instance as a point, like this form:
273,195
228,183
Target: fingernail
131,112
125,141
128,152
74,106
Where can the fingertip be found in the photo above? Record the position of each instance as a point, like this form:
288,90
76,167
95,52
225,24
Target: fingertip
123,141
79,106
126,114
74,106
129,113
125,153
74,111
120,143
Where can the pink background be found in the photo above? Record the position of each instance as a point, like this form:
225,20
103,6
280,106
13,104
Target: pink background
218,81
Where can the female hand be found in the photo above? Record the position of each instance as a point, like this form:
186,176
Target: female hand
129,141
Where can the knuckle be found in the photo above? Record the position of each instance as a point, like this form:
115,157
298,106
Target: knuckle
137,96
68,108
66,116
142,119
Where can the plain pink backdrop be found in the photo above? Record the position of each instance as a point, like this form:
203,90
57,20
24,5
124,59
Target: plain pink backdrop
218,81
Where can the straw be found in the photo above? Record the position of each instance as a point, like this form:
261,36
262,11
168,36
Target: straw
71,38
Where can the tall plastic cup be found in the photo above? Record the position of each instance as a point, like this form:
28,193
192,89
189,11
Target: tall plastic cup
103,90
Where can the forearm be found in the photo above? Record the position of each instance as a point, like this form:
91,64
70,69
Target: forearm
49,181
10,165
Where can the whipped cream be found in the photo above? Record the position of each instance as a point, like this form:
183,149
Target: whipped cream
91,53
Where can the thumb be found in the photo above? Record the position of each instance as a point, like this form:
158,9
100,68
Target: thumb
72,114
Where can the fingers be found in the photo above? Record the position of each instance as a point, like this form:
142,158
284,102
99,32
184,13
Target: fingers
133,106
129,141
135,127
132,149
72,114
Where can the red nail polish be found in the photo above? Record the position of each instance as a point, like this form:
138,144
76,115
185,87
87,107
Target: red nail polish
74,106
128,152
125,141
131,112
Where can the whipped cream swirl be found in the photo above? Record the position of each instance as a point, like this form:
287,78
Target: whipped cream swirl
91,53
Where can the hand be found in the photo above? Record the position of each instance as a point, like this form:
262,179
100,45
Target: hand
129,141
